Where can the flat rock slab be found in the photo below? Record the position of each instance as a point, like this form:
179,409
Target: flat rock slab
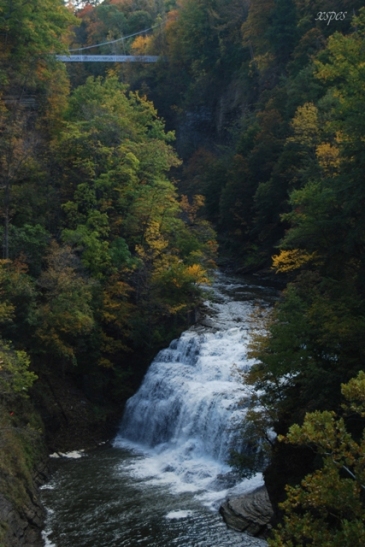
250,513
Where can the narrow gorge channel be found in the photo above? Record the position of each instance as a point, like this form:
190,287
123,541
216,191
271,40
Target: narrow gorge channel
162,482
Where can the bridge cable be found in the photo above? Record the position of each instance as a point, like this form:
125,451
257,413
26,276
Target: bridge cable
117,40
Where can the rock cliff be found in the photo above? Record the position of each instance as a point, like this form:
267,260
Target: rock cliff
22,523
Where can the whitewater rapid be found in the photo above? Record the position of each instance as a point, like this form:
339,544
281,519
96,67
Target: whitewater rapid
189,413
162,482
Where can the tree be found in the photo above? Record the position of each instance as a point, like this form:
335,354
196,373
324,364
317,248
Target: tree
18,296
328,507
314,342
123,218
30,33
64,313
15,376
31,80
16,155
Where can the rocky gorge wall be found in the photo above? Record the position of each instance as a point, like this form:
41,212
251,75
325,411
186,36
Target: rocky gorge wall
22,521
23,467
57,417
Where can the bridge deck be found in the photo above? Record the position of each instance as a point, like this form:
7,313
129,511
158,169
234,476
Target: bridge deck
108,58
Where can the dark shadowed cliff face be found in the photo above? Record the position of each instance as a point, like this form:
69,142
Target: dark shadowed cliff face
22,469
57,417
288,463
21,525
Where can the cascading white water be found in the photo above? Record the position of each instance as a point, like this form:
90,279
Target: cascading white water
168,468
189,411
190,395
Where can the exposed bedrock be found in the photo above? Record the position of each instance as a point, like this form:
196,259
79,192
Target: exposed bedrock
250,513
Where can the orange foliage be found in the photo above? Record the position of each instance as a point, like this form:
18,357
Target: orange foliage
86,10
172,16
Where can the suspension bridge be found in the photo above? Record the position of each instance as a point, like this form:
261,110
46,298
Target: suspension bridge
85,58
108,58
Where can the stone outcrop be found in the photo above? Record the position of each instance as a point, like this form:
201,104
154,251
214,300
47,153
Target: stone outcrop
22,528
250,513
23,468
21,523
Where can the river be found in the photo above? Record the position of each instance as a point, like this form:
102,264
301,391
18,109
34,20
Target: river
161,483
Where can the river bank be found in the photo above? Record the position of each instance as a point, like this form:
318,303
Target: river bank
57,417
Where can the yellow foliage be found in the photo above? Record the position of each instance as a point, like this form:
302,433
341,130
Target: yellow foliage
192,209
305,125
293,259
328,157
156,243
6,312
334,492
141,45
198,273
105,363
262,62
176,308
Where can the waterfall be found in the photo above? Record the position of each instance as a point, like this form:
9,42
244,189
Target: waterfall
189,411
167,474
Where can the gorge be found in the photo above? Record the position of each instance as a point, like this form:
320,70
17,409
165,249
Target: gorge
123,186
167,473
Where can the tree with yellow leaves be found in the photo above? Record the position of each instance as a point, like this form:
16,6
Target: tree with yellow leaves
328,508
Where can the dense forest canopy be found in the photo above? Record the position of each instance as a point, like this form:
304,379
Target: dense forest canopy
101,256
107,222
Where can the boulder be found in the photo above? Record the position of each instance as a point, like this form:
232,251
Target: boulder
250,513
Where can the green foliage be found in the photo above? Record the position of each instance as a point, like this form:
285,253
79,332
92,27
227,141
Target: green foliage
313,344
327,509
17,301
30,33
15,376
259,440
283,30
269,106
21,443
268,103
28,243
64,312
31,80
314,338
122,216
35,27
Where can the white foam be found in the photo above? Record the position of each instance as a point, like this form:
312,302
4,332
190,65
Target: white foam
48,531
179,514
47,542
74,454
181,470
189,412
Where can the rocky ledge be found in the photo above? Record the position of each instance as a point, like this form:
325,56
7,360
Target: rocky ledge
250,513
